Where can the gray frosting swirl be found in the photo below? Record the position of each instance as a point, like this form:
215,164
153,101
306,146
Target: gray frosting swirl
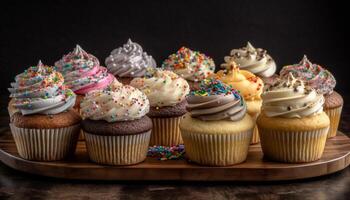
129,61
216,107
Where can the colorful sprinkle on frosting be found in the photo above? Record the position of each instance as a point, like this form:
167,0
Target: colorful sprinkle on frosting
40,90
312,74
191,65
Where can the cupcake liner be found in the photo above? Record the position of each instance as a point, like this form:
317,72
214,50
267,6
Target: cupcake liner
217,149
293,146
255,137
117,150
334,118
166,131
45,144
81,135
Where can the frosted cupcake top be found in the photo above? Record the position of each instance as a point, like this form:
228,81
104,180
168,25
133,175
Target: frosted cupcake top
82,72
162,87
190,65
255,60
249,85
129,61
216,101
123,103
290,98
312,74
40,90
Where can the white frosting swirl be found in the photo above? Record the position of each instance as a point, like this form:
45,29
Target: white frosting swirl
40,90
290,98
255,60
121,104
163,88
129,61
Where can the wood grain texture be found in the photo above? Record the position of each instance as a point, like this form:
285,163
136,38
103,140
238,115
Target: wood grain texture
336,157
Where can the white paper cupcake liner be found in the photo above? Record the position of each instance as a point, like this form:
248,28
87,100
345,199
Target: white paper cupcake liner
119,149
334,118
293,146
217,149
45,144
166,131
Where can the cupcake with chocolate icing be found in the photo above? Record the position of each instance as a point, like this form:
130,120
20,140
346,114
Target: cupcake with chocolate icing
166,92
193,66
249,86
45,128
115,125
255,60
292,126
82,73
129,61
323,82
216,130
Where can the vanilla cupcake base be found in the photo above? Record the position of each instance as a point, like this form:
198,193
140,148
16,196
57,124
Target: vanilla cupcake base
119,149
216,143
293,146
334,117
166,131
217,150
45,144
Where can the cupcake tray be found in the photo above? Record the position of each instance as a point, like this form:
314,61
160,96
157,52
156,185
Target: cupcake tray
335,158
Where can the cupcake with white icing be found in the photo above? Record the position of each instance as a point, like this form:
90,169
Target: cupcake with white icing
292,126
166,92
255,60
129,61
116,127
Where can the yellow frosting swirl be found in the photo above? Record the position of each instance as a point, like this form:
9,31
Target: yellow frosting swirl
163,88
249,85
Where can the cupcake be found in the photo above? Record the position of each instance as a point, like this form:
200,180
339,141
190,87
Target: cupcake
249,86
323,82
82,73
115,125
255,60
45,128
166,92
292,126
128,62
190,65
217,130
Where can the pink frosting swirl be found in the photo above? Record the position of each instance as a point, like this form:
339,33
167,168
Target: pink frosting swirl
82,72
312,74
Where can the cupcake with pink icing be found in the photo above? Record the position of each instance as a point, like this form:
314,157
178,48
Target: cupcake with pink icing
82,73
129,61
324,83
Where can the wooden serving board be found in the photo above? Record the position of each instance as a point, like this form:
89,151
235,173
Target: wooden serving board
335,158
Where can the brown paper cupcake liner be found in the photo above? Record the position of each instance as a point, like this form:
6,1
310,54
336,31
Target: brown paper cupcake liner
217,150
166,131
117,150
334,118
81,135
293,146
45,144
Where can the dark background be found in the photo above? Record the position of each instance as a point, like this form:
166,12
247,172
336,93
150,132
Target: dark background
287,29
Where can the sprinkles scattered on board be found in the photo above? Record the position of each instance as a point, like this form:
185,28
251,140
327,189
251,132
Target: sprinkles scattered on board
167,153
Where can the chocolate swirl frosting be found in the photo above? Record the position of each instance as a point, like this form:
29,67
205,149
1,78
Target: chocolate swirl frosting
216,101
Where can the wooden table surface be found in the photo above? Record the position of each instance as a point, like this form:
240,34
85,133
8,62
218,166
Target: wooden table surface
17,185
